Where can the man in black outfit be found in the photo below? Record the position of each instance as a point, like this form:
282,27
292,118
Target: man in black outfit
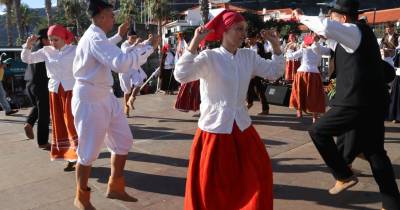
38,93
257,87
360,100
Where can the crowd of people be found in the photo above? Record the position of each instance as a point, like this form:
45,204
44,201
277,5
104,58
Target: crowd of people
229,166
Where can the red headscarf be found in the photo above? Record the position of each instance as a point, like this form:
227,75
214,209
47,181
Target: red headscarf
165,48
62,32
221,23
308,39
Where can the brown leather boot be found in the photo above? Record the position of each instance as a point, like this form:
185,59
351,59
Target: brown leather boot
82,199
116,190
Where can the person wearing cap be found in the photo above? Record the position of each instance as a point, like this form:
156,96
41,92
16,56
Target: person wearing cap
58,58
99,116
3,100
229,167
131,81
360,102
38,93
390,41
307,90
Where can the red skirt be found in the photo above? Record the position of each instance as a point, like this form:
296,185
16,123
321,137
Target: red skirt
188,98
65,138
291,69
308,93
229,171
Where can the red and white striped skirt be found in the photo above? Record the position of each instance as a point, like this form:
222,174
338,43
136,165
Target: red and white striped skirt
308,93
65,138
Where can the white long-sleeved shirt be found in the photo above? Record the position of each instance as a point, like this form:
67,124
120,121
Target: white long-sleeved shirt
143,50
346,34
310,57
224,80
95,57
58,64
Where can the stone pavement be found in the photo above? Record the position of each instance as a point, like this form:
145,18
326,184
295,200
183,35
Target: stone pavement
158,160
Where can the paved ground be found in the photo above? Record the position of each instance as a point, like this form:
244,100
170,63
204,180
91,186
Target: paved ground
158,161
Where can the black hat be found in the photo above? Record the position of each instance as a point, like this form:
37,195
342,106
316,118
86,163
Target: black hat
96,6
389,25
132,31
346,7
43,33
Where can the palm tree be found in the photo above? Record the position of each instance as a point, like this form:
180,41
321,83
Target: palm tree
75,13
17,10
8,4
29,19
47,4
128,10
160,12
204,10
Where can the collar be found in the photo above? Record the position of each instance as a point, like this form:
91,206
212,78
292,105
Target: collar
226,52
97,29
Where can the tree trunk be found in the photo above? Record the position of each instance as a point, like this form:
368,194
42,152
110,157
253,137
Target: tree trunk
204,10
78,27
17,8
9,26
47,4
160,33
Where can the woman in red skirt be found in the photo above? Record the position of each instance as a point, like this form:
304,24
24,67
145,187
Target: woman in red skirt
188,98
291,64
229,166
307,90
58,58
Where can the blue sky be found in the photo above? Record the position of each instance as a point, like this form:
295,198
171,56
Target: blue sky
37,3
32,4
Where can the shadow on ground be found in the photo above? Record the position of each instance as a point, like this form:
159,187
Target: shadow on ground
145,182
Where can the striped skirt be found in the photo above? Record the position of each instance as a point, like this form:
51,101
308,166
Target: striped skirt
291,69
308,93
188,98
65,138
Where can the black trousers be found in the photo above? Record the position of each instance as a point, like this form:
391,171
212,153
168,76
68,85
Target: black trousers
368,127
40,112
348,146
257,89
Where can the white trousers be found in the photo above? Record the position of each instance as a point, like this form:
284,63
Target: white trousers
97,122
134,78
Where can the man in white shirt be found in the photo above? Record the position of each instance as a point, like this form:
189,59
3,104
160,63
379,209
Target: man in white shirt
98,114
360,101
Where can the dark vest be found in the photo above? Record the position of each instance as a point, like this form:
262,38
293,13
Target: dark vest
261,51
359,75
38,72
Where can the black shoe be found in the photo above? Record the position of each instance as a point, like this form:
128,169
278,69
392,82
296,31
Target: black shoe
46,147
11,112
70,166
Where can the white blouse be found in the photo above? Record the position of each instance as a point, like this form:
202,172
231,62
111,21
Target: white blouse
310,57
224,80
95,57
169,61
58,64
